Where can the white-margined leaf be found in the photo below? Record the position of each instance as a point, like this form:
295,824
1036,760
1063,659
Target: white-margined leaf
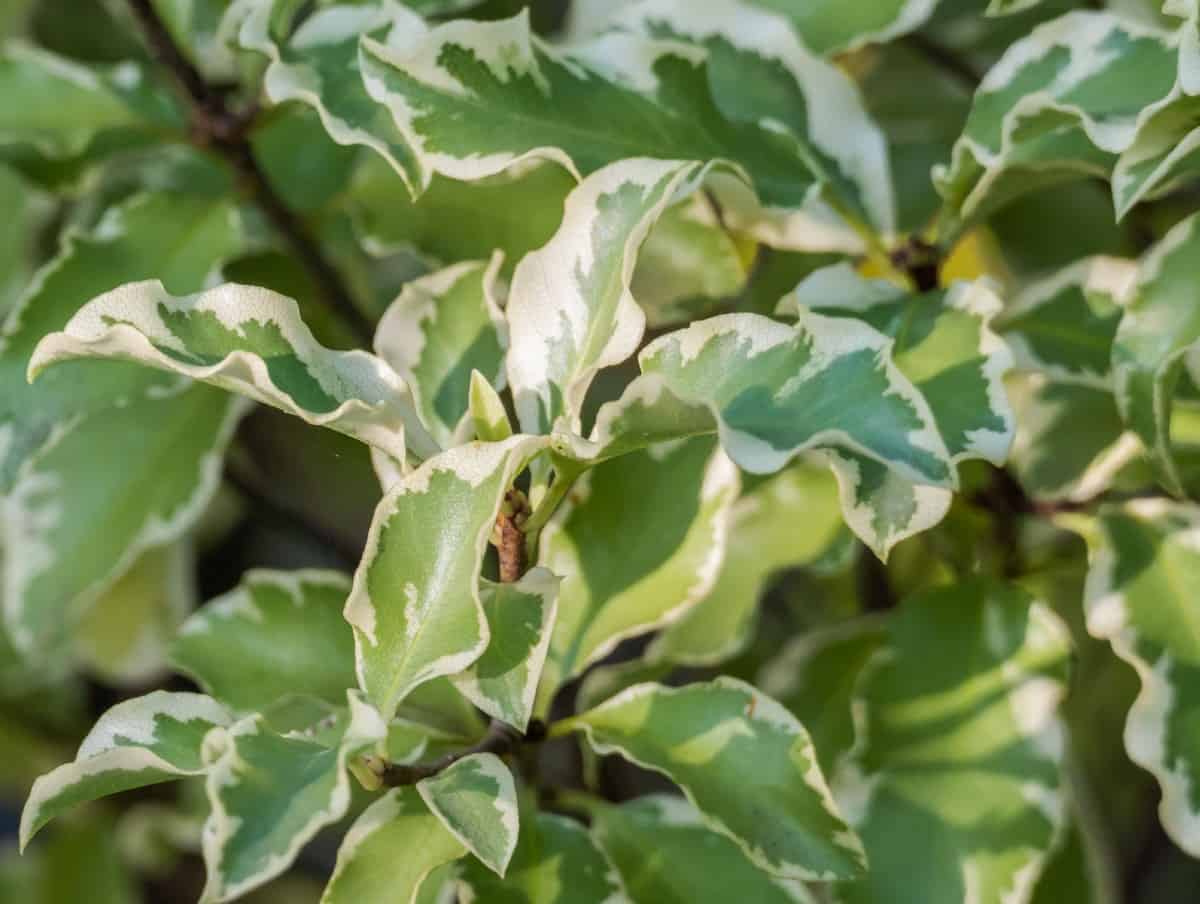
1063,101
390,851
503,682
270,793
277,633
664,851
63,538
441,328
318,64
954,783
642,543
1160,328
745,763
415,606
1142,596
570,310
251,341
556,862
476,800
139,742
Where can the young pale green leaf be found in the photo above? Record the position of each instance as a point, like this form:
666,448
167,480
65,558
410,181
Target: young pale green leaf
439,330
955,780
277,633
1063,101
270,793
179,240
318,65
762,540
476,800
251,341
488,414
777,390
415,605
390,851
1160,328
59,106
664,851
816,675
1141,598
761,75
139,742
503,682
474,99
829,26
556,862
64,539
570,310
1063,327
642,545
124,635
745,763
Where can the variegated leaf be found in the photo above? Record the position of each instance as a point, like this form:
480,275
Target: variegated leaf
570,310
1160,328
317,64
1063,101
473,99
503,682
139,742
277,633
745,763
441,328
179,240
63,543
270,793
247,340
1142,597
476,801
954,783
415,606
664,852
642,543
390,851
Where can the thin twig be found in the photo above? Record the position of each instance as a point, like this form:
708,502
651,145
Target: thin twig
500,739
226,132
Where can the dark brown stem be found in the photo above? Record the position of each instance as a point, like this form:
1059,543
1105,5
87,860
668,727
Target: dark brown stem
500,739
226,133
920,261
509,538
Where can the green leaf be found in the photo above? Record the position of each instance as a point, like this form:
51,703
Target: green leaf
179,240
474,99
1160,327
319,65
745,763
488,414
556,862
123,636
390,851
642,545
60,107
570,310
277,633
828,26
415,606
139,742
1141,598
106,488
503,682
476,801
955,783
667,855
441,328
1062,102
816,675
762,541
247,340
271,793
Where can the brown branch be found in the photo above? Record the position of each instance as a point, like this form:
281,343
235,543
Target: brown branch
920,261
226,133
509,538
